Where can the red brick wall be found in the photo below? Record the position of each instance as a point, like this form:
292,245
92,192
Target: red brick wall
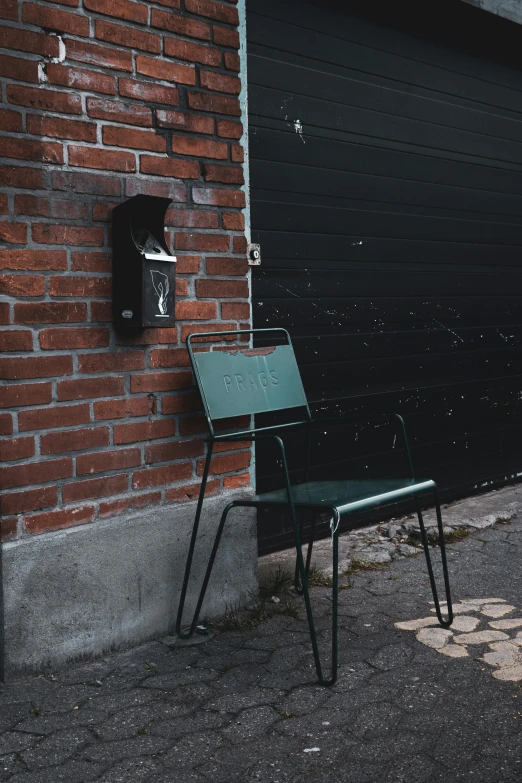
145,100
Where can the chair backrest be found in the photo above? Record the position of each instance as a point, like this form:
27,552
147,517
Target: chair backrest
237,381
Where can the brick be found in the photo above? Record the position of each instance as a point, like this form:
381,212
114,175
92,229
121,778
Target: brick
169,357
192,425
24,40
196,311
114,507
239,244
196,53
48,521
220,82
93,158
103,212
219,197
151,337
165,71
86,183
181,287
91,262
174,23
16,340
236,310
10,121
18,368
226,463
226,266
35,472
16,448
4,204
148,92
219,243
22,285
161,381
54,208
52,234
191,218
155,477
231,175
5,314
136,432
17,176
233,221
114,111
237,154
217,104
195,123
101,312
95,488
8,529
87,388
124,35
181,403
225,37
46,100
29,500
222,289
111,362
123,409
168,167
6,424
202,148
176,191
13,233
232,61
78,79
9,10
14,396
188,265
61,339
29,149
74,440
213,10
168,452
229,129
80,286
221,327
50,312
191,492
51,418
101,56
55,19
135,139
235,482
18,68
123,9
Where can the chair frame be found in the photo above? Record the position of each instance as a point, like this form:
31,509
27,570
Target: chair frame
302,567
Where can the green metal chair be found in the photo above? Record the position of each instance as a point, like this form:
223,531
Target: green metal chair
236,381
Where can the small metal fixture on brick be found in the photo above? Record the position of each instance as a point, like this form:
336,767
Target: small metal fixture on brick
254,255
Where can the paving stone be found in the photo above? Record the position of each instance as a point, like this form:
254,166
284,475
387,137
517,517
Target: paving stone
55,749
14,742
138,770
70,772
111,752
250,723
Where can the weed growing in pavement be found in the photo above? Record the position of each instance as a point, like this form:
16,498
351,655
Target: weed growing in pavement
458,534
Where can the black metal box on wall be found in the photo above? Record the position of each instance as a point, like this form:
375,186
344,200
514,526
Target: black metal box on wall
144,271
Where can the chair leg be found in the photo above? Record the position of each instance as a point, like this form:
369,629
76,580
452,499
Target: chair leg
297,582
187,634
425,543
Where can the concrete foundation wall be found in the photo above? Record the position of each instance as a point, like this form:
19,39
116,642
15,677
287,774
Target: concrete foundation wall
84,591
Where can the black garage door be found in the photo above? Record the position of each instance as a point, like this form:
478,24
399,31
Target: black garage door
386,194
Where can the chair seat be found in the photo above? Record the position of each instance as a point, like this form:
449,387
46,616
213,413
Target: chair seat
346,496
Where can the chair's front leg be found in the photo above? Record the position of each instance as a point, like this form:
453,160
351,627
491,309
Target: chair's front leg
302,568
425,544
192,545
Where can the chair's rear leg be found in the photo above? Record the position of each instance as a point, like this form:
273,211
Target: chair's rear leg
297,583
425,544
208,572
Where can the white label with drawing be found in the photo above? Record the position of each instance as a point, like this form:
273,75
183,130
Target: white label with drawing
160,282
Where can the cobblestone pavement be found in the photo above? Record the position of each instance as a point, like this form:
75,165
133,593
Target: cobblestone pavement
244,707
